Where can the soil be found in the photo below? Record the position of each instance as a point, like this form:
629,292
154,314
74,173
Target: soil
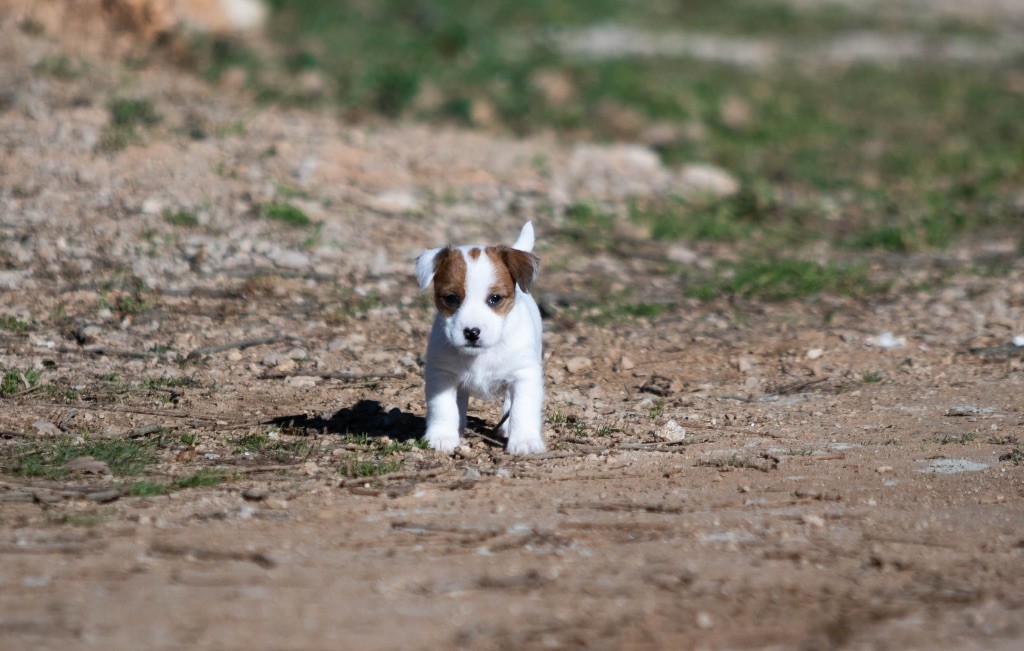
728,474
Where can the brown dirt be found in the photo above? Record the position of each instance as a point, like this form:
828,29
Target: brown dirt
797,511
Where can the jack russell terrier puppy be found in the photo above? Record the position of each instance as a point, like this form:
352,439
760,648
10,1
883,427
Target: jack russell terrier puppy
486,340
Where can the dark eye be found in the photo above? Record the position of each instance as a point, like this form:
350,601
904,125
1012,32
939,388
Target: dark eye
494,299
451,300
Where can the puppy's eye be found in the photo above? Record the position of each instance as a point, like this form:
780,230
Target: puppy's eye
494,299
451,300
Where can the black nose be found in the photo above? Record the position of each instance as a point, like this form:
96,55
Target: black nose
471,334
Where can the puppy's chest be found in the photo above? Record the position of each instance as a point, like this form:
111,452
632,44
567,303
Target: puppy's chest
483,380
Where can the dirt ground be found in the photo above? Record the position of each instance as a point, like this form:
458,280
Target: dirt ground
726,474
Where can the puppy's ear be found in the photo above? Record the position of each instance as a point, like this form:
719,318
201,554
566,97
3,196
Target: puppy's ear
426,265
522,265
526,238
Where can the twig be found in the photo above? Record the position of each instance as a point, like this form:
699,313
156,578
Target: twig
334,375
393,476
163,548
241,345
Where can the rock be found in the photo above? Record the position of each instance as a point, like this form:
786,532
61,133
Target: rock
44,427
681,254
297,354
253,494
310,468
672,431
235,355
289,259
661,134
151,206
887,340
813,520
286,366
618,118
88,466
577,364
704,621
815,353
696,180
302,381
626,364
745,364
736,114
616,171
396,201
108,495
472,474
556,86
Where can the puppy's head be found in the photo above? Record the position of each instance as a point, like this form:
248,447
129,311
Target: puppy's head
475,289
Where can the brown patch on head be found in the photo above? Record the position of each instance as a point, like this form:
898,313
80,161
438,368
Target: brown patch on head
449,280
511,267
474,253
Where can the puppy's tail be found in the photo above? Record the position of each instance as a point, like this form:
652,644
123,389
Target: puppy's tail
526,238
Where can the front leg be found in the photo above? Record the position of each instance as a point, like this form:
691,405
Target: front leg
525,419
463,402
442,411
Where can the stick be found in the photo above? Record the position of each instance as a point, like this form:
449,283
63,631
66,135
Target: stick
240,345
206,554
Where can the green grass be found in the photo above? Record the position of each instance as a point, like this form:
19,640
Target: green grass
61,66
287,213
181,218
200,478
13,324
49,459
898,157
783,279
368,468
872,376
12,381
127,118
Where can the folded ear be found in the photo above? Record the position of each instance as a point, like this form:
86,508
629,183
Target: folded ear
522,265
526,238
426,264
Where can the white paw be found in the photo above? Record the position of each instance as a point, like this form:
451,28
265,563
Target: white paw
524,445
442,441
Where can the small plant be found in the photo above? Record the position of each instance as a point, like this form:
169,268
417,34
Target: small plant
170,383
61,66
368,468
872,376
127,116
146,488
287,213
50,459
202,477
14,381
12,324
181,218
784,279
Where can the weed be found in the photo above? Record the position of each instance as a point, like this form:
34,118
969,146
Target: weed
61,66
12,324
181,218
872,376
14,381
49,459
368,468
590,226
202,477
146,488
127,116
1016,456
784,279
287,213
656,410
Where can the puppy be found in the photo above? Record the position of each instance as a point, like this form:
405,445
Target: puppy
486,340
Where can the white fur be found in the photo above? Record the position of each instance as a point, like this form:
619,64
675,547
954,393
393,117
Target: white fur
506,362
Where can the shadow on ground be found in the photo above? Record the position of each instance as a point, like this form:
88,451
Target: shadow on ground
369,418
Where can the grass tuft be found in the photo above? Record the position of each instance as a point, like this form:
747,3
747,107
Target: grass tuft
287,213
